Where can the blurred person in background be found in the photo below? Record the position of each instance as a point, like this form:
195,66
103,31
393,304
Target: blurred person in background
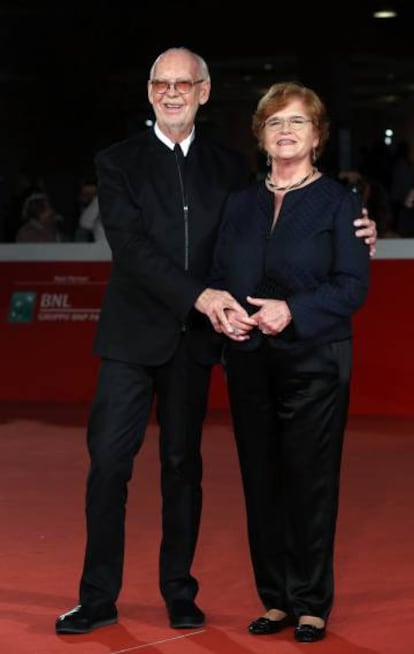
405,219
41,224
402,181
374,197
90,228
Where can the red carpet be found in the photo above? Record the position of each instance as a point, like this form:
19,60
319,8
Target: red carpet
43,468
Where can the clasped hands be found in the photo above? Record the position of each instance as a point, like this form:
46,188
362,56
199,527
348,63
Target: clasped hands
271,317
228,316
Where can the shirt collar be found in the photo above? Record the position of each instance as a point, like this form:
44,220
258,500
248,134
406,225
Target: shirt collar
185,145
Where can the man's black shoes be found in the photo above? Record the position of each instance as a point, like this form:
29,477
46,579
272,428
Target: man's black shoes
83,619
185,614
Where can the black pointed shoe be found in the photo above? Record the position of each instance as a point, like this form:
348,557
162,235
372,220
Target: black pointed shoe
264,626
309,633
82,619
185,614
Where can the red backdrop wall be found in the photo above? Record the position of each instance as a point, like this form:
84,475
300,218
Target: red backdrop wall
48,314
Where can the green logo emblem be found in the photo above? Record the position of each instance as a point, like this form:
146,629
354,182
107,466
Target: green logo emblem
22,305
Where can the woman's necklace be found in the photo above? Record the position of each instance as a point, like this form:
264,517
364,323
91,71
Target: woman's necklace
275,187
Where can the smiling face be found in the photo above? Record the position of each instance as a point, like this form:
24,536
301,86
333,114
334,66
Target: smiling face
289,134
291,123
175,112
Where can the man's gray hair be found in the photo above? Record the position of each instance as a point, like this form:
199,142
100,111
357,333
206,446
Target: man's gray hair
204,72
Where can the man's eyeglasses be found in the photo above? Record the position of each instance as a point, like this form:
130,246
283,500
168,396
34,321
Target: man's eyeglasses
182,86
294,122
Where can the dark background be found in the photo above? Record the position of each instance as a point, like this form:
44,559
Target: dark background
73,75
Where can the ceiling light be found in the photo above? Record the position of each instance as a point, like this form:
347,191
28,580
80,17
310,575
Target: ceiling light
385,12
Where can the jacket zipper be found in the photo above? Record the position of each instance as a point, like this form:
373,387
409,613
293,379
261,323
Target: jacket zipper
185,214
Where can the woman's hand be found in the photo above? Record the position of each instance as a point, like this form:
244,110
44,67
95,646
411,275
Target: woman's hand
273,315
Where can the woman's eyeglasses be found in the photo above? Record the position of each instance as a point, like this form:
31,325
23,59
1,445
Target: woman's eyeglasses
294,122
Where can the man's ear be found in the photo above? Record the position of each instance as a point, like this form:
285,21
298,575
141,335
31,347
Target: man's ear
204,92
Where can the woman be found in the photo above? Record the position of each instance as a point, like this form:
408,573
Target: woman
288,253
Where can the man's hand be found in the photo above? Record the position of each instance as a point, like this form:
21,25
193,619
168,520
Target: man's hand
367,230
242,325
214,304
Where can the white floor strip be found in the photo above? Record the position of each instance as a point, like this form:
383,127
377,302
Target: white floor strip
158,642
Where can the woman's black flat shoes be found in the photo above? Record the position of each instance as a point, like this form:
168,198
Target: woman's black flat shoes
265,626
308,633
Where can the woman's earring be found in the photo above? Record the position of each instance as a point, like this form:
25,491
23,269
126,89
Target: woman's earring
268,160
314,155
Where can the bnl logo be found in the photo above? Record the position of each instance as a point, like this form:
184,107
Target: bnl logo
22,304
